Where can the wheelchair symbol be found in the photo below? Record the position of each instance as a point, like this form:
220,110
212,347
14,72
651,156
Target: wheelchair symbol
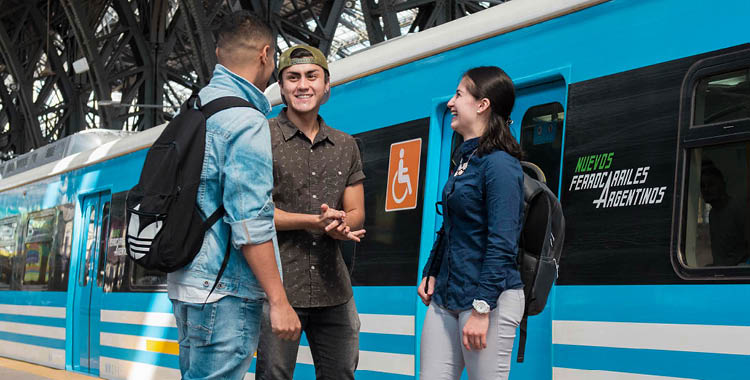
401,176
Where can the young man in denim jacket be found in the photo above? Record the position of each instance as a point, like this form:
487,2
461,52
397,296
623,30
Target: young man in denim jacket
319,200
218,340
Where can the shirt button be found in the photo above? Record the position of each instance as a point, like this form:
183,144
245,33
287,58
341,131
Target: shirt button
315,196
315,243
312,267
313,173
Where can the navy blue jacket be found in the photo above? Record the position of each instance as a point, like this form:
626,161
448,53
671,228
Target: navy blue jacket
482,216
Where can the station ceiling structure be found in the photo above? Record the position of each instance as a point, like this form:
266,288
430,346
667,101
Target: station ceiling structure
71,65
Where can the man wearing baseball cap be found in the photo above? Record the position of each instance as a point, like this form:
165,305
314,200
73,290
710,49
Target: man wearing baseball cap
319,199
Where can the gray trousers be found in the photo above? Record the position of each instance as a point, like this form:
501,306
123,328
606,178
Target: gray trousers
333,335
443,356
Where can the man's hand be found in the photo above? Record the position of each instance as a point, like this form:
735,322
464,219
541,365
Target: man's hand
329,218
334,222
284,321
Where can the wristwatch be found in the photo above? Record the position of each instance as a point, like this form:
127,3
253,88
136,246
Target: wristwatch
481,306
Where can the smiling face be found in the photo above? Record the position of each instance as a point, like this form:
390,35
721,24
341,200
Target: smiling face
468,111
304,87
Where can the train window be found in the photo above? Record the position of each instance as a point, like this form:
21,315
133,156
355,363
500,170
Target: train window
103,244
8,245
90,245
147,278
722,97
717,228
389,255
37,249
61,249
541,139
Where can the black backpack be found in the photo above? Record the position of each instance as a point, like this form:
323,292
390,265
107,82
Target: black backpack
540,245
165,227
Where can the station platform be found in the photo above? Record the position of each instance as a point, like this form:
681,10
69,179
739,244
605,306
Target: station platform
18,370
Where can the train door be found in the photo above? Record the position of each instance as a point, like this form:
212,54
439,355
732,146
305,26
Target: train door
538,119
88,284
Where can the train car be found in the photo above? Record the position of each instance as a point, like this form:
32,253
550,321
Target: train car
639,113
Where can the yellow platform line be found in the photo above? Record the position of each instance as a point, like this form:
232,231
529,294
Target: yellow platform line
38,370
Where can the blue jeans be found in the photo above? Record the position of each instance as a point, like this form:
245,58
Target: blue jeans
217,341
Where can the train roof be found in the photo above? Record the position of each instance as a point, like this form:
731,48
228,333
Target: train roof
500,19
497,20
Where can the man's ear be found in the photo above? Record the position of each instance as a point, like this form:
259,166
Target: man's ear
265,54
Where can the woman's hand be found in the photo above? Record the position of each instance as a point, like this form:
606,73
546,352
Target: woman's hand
475,331
426,297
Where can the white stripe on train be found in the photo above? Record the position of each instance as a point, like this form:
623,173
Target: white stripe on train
51,357
716,339
33,330
33,311
559,373
371,323
401,364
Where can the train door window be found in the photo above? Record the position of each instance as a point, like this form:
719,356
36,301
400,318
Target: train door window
541,139
722,97
103,244
8,245
718,206
714,212
38,243
90,245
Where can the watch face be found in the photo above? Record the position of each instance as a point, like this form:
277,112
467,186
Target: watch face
481,307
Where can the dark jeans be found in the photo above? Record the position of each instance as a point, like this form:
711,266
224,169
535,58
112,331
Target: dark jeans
333,335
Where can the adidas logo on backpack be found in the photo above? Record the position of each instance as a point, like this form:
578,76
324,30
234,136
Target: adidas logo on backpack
165,227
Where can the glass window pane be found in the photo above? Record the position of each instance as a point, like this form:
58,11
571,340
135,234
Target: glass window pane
541,139
722,97
90,242
40,227
8,245
717,229
62,246
147,278
35,266
103,245
37,249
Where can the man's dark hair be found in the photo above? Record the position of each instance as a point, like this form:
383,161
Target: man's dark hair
241,29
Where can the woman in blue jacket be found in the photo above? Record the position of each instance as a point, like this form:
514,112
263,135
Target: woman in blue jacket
471,282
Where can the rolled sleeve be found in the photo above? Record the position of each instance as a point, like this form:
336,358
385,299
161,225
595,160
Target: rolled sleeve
504,205
248,181
356,174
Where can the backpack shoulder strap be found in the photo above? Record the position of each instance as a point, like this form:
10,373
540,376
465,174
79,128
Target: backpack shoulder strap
225,102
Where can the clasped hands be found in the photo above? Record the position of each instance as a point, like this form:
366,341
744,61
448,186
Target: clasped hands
333,223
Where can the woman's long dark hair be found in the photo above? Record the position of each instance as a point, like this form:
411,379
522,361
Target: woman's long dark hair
493,83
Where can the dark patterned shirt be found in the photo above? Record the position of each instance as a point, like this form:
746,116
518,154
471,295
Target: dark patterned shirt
306,175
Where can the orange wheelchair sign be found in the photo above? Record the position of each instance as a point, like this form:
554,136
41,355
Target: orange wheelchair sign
403,175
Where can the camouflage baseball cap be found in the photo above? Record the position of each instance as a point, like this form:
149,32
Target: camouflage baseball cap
286,60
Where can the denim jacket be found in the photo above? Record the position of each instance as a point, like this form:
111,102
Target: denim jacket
237,172
482,215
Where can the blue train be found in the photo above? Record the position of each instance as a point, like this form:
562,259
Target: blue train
638,111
